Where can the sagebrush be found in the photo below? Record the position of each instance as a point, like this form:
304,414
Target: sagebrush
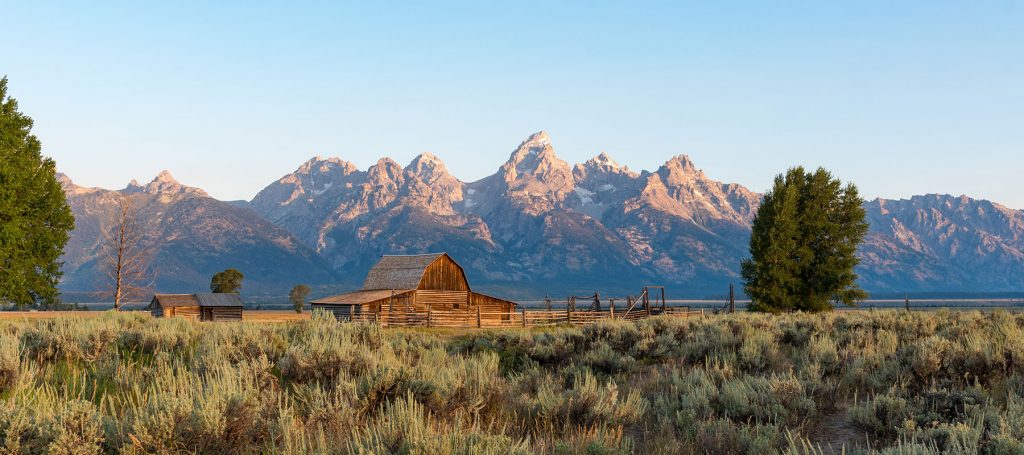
874,382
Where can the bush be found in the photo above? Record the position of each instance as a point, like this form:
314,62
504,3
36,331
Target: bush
743,383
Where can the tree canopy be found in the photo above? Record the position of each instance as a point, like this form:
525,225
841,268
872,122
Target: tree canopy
34,214
227,282
804,243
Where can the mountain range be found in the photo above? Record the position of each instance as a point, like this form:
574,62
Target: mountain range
537,226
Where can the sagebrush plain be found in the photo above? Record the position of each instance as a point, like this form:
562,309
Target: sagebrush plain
856,382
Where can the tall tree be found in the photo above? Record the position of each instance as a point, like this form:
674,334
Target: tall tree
34,213
227,282
126,257
298,297
804,243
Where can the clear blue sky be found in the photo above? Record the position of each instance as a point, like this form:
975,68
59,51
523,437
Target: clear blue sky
902,98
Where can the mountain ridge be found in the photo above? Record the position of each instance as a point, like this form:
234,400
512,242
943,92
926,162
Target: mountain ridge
540,225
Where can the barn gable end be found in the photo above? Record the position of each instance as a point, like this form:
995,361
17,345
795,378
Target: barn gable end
436,271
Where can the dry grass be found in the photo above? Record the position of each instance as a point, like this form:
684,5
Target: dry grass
911,383
48,314
274,316
255,316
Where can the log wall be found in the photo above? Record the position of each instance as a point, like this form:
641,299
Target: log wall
227,313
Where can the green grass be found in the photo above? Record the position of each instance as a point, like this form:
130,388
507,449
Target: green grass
881,382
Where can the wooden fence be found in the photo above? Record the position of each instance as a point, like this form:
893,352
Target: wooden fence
477,318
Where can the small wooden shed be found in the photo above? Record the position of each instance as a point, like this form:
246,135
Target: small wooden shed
202,307
420,282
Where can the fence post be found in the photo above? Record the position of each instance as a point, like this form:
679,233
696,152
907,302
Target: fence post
702,313
732,298
524,316
478,321
611,308
568,314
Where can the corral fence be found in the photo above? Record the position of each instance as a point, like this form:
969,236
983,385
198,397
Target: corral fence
478,318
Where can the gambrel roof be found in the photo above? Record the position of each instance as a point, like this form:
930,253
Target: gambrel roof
399,272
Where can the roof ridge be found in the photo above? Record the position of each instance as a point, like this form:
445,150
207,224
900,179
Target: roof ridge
411,255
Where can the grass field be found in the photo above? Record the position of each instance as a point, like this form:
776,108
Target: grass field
247,315
875,382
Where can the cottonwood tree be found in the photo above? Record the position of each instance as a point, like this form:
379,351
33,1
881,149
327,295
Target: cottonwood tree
227,282
126,258
34,214
298,297
804,243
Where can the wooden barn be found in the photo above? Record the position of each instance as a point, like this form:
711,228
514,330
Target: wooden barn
411,287
202,307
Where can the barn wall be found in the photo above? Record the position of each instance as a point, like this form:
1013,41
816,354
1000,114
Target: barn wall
187,312
225,313
490,304
442,299
444,275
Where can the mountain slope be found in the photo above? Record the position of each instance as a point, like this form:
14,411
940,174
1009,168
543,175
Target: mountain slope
941,242
537,226
192,237
540,225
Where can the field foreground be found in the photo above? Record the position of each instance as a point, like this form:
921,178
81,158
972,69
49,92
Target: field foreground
874,382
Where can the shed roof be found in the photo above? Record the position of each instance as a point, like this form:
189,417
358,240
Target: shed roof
175,300
219,299
359,297
202,299
398,272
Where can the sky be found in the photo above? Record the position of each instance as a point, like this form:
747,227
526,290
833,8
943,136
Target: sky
901,98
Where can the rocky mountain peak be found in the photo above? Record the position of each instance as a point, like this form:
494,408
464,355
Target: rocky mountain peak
386,172
535,177
429,168
601,164
680,170
163,184
319,165
70,187
535,157
681,162
64,180
165,177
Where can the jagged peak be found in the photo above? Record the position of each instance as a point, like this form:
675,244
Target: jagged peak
163,183
164,177
538,144
681,162
535,156
605,158
428,168
539,138
64,179
385,169
605,162
321,164
426,160
386,162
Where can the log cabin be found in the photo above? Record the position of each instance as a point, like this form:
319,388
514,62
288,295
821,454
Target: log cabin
414,284
201,307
